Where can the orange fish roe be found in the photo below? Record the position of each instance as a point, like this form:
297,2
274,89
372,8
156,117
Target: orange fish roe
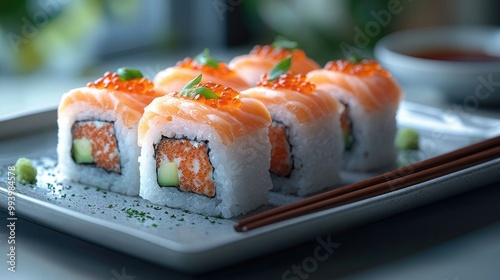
281,158
287,81
103,142
365,68
222,70
193,164
228,97
112,81
270,52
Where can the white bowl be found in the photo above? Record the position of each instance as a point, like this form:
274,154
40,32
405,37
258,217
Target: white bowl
466,82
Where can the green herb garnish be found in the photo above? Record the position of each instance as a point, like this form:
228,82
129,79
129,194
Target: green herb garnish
280,42
127,74
204,58
280,68
191,91
355,58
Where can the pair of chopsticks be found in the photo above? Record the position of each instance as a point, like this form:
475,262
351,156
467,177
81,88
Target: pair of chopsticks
387,182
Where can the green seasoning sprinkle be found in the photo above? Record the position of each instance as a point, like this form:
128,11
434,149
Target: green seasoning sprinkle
280,68
407,139
127,74
280,42
25,171
204,58
192,92
355,58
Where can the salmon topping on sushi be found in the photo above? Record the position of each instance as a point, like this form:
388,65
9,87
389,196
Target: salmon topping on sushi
362,68
184,164
365,81
125,80
262,58
94,142
207,65
174,78
279,49
230,122
271,52
279,78
287,81
281,155
210,93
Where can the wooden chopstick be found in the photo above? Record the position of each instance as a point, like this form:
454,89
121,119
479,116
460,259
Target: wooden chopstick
390,181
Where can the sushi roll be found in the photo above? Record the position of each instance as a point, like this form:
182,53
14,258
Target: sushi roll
371,98
206,150
262,59
174,78
97,136
305,132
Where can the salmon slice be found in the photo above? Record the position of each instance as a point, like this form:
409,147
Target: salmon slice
175,78
373,92
127,107
229,123
263,58
102,138
281,155
113,106
305,107
192,161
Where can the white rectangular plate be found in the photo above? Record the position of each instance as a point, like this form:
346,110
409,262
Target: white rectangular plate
186,241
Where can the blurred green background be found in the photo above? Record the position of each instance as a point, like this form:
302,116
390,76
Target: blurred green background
72,37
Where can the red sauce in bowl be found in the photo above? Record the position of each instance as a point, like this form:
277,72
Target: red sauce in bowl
457,55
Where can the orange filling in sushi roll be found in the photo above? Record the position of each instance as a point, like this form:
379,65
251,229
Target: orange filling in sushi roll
100,135
281,155
190,160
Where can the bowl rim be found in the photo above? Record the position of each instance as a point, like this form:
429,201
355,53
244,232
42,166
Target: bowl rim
385,52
